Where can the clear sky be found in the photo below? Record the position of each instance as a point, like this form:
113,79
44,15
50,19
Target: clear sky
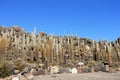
95,19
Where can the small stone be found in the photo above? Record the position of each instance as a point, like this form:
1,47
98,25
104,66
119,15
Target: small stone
80,63
118,69
106,68
19,59
26,69
74,70
16,71
68,70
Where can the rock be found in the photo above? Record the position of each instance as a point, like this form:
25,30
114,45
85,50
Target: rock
46,71
28,76
10,77
33,65
118,69
15,78
22,77
107,68
85,69
19,59
99,67
68,70
80,64
32,71
61,69
39,72
26,69
79,69
16,71
74,70
92,69
112,70
54,69
41,65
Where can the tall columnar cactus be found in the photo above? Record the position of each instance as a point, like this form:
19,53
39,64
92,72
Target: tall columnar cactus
36,52
50,43
23,39
71,49
78,50
3,47
28,40
108,51
48,54
117,52
34,37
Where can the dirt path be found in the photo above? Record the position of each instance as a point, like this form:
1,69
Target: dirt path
83,76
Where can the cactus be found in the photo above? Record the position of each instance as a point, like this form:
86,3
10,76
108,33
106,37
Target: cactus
71,49
108,51
3,47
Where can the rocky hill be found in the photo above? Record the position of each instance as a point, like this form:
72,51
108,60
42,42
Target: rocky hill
20,49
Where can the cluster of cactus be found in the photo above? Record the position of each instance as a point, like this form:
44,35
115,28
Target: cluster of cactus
50,49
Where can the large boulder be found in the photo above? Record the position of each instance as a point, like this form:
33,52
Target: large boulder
74,70
54,69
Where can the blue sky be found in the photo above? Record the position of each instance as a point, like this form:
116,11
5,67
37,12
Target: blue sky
95,19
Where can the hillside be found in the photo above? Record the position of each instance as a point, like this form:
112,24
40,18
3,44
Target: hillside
21,49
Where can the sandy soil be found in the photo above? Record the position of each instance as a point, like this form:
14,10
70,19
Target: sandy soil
82,76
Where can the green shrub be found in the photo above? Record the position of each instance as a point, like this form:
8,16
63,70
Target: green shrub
19,66
91,63
4,71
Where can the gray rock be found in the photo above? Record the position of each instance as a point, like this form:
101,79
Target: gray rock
99,67
40,72
85,69
68,70
32,71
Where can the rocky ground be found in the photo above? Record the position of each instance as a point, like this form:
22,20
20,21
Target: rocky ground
82,76
68,76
